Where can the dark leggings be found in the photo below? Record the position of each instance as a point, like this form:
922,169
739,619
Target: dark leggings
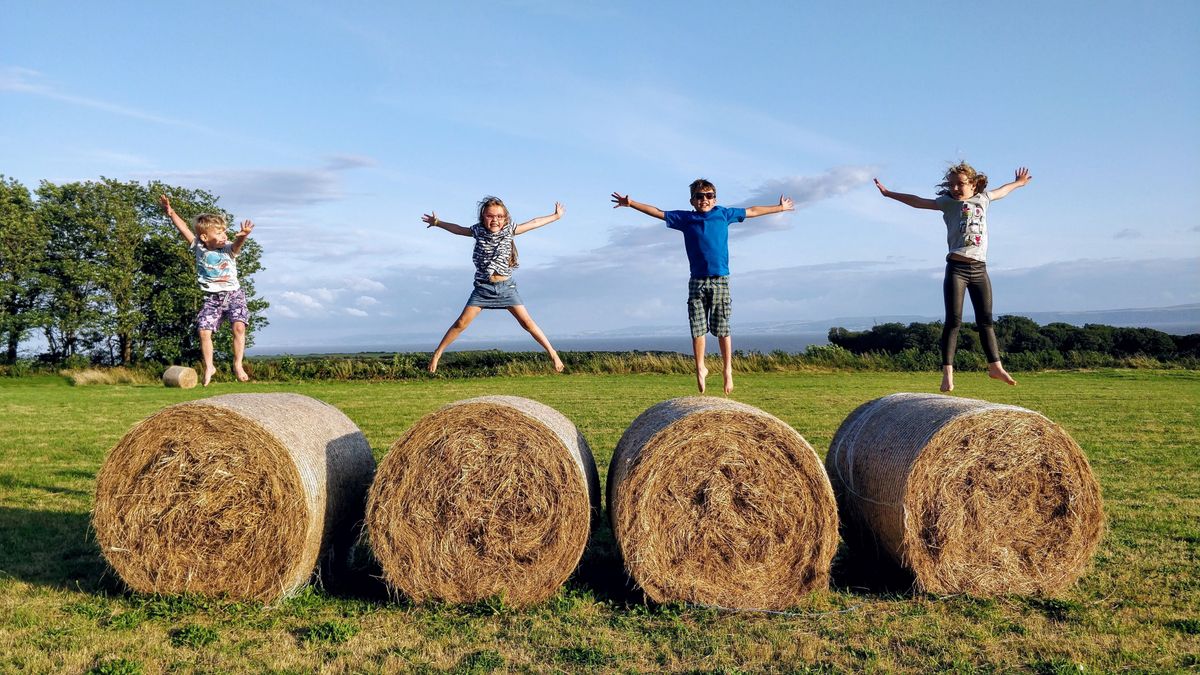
973,278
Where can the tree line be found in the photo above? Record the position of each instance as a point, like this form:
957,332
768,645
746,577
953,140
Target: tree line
97,270
1021,335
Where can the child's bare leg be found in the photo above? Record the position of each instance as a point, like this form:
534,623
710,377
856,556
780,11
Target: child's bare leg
239,349
528,324
206,350
947,378
701,371
460,324
997,372
726,343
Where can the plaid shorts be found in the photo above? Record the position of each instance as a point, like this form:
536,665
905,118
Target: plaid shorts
709,305
229,305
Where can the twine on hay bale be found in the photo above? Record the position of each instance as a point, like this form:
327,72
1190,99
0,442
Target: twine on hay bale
234,495
719,503
491,496
179,376
969,496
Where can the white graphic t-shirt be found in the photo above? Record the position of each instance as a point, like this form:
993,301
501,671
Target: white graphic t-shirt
216,270
966,225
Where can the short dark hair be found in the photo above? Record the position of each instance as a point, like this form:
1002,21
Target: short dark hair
701,184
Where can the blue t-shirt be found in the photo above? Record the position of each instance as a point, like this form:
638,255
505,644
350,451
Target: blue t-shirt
706,238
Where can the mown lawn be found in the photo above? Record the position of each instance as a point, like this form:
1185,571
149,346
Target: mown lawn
1137,609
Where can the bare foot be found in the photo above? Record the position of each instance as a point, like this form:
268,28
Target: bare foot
209,371
947,382
701,374
997,372
241,373
728,373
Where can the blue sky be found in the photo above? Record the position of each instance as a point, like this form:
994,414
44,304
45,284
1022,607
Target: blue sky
335,127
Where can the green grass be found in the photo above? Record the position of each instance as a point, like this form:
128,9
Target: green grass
1137,609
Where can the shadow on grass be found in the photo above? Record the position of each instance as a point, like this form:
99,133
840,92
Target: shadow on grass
866,571
53,549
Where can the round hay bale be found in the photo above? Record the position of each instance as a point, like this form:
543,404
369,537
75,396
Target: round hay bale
232,495
179,376
969,496
491,496
719,503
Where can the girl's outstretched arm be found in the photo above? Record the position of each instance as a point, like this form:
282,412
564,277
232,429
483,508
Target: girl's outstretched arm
1021,179
431,220
624,200
538,222
912,200
785,204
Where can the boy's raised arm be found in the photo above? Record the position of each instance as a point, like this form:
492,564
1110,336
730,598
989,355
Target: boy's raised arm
180,223
431,220
243,234
538,222
624,200
912,200
1021,179
785,204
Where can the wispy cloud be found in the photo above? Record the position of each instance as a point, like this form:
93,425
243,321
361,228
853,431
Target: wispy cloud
31,82
1128,233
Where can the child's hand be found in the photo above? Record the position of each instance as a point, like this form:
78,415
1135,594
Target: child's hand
166,202
619,200
558,209
785,203
1022,176
431,219
247,225
882,190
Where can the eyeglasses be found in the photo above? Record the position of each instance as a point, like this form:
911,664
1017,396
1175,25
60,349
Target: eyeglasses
704,195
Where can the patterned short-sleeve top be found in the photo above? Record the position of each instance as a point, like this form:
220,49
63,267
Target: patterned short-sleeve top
492,251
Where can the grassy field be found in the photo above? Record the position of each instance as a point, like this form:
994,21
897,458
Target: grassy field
1136,610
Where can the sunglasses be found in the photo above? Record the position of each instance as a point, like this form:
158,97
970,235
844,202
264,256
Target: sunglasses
704,195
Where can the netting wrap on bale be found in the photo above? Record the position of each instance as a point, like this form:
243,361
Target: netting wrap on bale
491,496
179,376
969,496
719,503
234,495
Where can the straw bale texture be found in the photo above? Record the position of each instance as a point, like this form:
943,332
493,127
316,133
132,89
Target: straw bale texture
719,503
491,496
179,376
231,495
969,496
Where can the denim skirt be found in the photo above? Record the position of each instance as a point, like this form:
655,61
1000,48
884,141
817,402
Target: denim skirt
498,295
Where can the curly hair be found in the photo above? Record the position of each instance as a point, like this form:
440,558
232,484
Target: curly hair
496,201
979,179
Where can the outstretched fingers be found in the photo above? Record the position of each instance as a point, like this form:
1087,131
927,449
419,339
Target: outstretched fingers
430,219
620,200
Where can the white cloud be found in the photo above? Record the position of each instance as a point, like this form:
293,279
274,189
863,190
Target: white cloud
366,301
354,312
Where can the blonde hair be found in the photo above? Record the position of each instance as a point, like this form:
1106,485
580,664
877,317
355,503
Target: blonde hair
496,201
209,222
974,176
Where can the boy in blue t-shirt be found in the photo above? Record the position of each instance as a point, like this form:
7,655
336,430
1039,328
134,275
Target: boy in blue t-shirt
706,238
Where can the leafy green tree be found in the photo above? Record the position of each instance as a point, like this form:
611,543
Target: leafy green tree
1020,334
72,302
22,249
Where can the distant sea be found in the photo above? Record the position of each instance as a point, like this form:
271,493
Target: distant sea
681,344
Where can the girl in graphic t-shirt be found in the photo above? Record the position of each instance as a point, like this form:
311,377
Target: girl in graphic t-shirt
963,200
495,256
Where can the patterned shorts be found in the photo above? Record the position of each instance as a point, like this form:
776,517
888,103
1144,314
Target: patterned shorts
223,305
709,305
